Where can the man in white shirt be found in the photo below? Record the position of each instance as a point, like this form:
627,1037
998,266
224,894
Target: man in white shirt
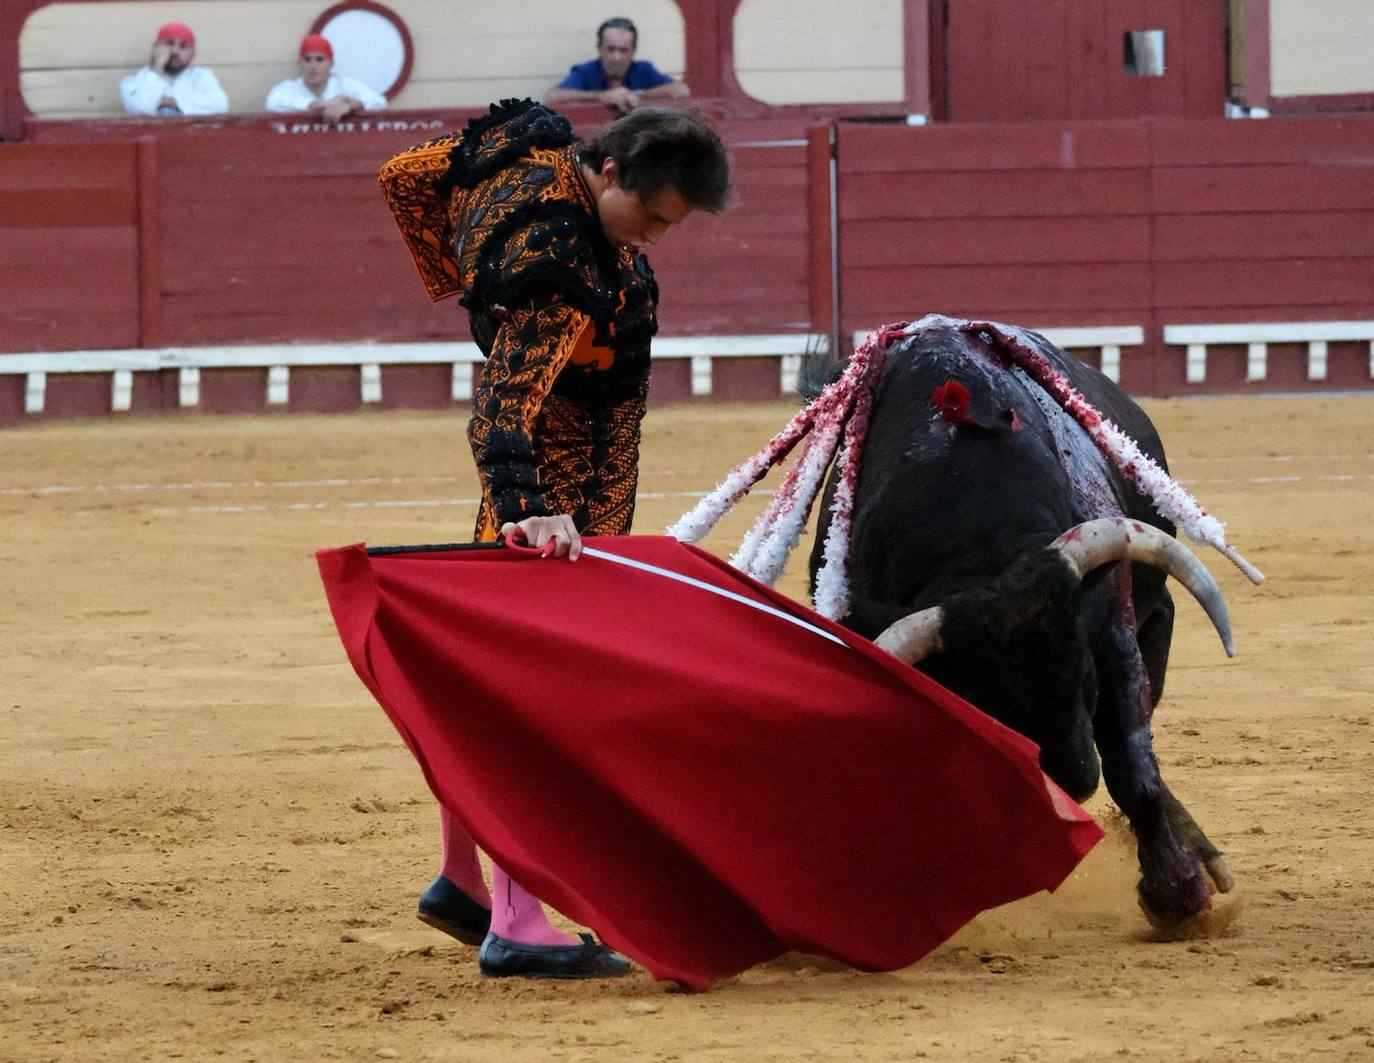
333,97
169,84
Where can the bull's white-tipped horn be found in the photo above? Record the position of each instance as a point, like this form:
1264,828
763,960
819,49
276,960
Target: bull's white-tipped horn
1094,543
914,637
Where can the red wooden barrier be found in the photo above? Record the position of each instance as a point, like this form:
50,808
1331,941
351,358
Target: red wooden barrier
68,247
1264,221
259,231
249,234
1148,222
246,235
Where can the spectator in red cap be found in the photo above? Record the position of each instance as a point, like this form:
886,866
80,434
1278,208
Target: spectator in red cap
169,84
333,97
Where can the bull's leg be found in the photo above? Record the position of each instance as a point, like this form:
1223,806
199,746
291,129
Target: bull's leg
1154,634
1171,885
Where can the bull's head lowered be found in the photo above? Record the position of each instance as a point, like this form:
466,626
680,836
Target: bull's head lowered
1020,646
1000,545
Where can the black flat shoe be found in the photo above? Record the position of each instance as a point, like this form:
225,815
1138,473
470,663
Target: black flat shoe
445,907
500,958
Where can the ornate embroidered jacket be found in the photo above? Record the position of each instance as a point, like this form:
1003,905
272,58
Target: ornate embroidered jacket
501,215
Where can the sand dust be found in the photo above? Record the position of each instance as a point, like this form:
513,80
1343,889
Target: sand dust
211,840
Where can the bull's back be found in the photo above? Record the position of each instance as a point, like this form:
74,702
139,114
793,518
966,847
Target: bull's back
946,497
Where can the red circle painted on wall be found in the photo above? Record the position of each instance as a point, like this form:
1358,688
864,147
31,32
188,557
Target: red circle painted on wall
371,43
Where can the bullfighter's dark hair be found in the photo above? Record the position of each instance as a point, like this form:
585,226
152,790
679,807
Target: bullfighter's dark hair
618,23
656,147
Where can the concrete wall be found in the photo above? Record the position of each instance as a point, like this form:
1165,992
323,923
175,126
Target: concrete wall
1321,47
810,51
72,55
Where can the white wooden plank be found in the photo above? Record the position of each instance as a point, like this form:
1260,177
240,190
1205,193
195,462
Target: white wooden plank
1316,360
121,390
1118,335
76,362
278,385
701,375
1270,332
297,355
1111,362
35,392
739,346
188,386
1256,362
789,373
371,380
460,389
1196,365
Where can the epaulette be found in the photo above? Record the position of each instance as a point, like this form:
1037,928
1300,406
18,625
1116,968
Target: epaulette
511,129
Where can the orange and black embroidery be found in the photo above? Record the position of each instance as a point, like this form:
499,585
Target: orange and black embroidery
502,216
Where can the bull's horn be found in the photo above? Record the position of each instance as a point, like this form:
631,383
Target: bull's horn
1094,543
914,637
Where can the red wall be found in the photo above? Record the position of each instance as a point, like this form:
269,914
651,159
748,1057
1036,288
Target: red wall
249,235
1149,222
746,270
245,234
1057,60
267,238
68,247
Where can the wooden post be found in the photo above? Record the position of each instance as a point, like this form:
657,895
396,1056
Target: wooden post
149,245
1254,43
823,249
12,110
916,56
700,29
937,69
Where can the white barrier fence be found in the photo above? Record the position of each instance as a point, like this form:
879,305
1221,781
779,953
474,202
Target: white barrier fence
369,358
702,352
1258,336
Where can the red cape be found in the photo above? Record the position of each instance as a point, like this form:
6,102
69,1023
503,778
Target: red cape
706,784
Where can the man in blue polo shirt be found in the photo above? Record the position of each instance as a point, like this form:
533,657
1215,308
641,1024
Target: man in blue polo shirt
615,77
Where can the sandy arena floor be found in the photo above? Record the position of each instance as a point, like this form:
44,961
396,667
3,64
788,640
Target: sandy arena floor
211,840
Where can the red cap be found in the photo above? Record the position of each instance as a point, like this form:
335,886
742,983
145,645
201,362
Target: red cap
313,42
176,31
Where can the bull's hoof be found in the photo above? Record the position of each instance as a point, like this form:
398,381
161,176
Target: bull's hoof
1214,922
1220,874
1168,904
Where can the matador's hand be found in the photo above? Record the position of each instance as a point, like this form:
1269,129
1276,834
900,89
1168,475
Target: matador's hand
556,536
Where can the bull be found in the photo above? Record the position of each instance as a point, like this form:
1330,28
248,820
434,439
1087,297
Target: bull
994,547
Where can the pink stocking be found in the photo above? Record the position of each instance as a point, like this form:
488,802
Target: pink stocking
460,859
517,915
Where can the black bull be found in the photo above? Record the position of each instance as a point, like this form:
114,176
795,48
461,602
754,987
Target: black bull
955,510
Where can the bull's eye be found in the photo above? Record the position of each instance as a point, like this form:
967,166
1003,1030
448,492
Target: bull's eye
985,336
